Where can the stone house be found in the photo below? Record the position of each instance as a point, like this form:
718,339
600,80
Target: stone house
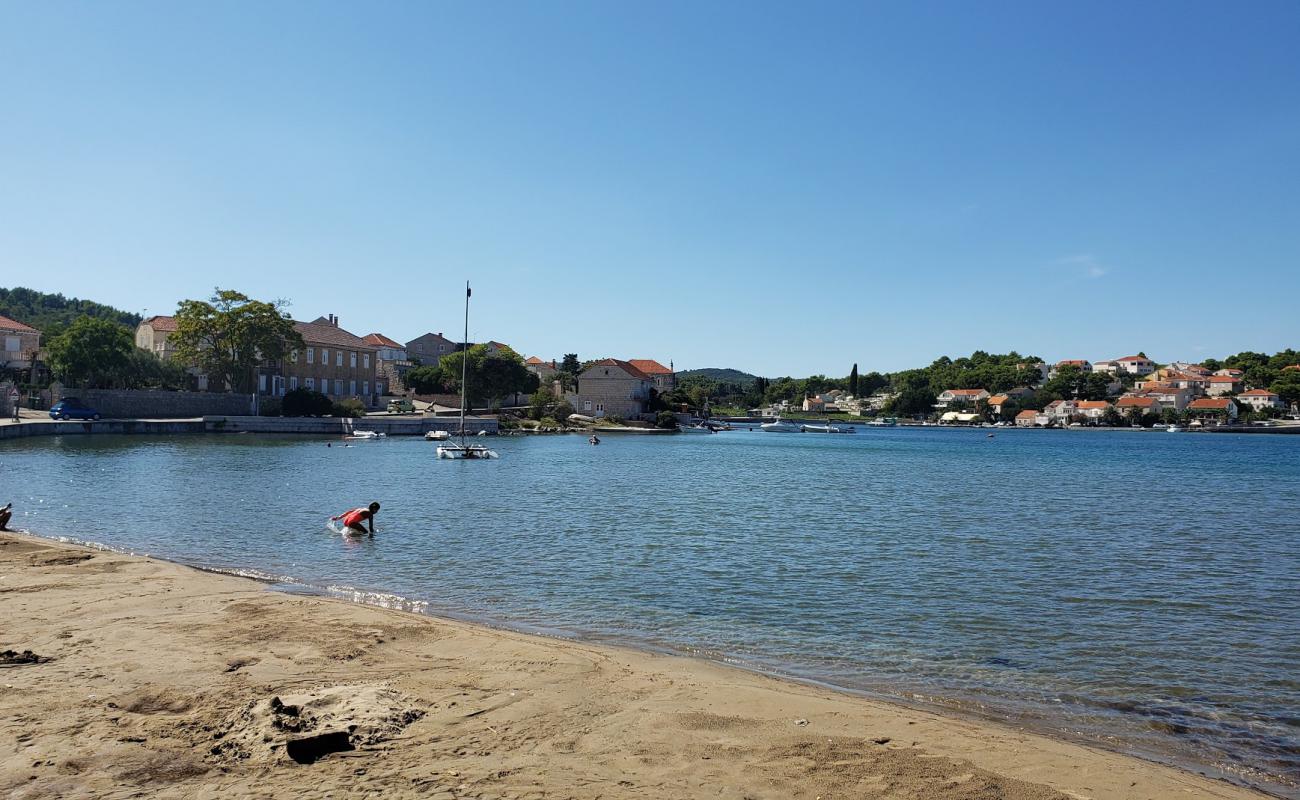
21,343
663,378
544,370
333,362
612,387
1219,385
430,347
1027,419
392,362
154,335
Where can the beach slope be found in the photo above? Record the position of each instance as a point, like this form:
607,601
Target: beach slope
147,678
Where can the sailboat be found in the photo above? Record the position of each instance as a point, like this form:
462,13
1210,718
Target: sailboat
461,449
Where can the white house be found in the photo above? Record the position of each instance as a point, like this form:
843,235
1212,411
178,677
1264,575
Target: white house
949,396
1136,365
1260,399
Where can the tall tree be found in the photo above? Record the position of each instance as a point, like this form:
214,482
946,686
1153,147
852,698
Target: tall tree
91,353
228,336
853,381
491,376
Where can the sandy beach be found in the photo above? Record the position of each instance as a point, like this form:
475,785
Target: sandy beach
151,679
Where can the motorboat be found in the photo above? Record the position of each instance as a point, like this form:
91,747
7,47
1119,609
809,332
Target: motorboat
883,422
461,450
698,427
437,436
364,435
1175,429
827,428
780,426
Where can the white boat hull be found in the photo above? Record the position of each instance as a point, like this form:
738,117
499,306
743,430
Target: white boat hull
467,452
780,427
437,436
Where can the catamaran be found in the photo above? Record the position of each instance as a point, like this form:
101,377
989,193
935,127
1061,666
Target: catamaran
461,449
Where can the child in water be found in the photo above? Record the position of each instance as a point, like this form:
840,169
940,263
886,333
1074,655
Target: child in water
356,520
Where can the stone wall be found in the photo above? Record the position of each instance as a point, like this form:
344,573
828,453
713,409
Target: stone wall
149,403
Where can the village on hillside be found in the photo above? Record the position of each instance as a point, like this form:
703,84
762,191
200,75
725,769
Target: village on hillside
328,369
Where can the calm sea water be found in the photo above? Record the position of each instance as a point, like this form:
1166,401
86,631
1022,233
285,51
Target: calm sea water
1137,589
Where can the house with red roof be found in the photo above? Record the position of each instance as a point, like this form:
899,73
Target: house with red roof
333,361
664,378
961,396
1092,411
1260,399
1219,409
1027,419
1082,364
612,387
544,370
1136,365
1218,385
153,334
21,343
391,362
996,402
1137,405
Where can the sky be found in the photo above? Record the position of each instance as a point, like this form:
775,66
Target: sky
786,189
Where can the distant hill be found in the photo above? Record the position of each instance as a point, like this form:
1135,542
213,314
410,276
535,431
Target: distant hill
720,375
51,313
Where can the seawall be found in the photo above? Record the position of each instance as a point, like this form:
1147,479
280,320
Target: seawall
318,426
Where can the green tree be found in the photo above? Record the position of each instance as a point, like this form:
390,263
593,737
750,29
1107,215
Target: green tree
1112,417
491,375
230,335
92,353
145,370
305,403
425,380
853,381
1071,382
1287,386
541,403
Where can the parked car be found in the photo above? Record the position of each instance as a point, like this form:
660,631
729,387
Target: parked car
400,405
72,408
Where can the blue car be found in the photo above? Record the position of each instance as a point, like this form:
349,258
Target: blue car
72,408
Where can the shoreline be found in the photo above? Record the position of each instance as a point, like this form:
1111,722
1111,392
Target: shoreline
655,724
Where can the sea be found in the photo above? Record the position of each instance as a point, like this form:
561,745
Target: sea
1136,590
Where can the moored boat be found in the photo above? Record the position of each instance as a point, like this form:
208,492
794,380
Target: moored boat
780,426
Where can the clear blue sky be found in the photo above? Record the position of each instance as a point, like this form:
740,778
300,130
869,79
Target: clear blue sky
781,189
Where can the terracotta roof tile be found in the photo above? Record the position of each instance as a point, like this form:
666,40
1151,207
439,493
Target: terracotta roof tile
163,324
623,365
1210,403
15,325
649,366
1257,393
380,340
320,331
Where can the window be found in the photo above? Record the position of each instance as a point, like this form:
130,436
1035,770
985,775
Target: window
353,360
310,383
11,344
293,382
352,388
261,383
293,356
338,358
365,360
311,355
586,405
442,348
338,388
365,388
600,406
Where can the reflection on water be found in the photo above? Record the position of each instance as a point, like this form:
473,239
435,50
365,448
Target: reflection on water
1136,588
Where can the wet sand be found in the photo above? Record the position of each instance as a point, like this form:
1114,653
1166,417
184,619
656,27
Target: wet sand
150,679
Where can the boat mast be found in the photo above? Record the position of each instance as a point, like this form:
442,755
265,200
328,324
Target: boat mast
464,366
